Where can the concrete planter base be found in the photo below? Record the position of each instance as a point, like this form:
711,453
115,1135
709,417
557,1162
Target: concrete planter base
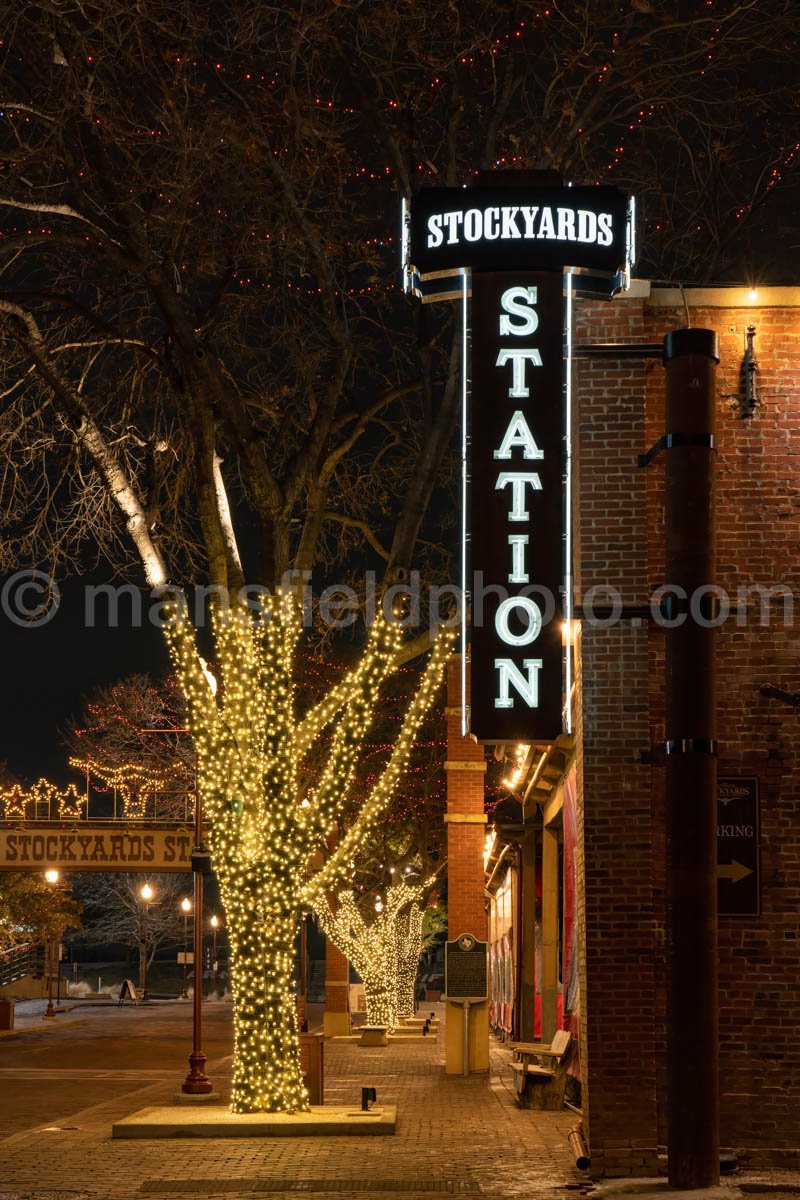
218,1122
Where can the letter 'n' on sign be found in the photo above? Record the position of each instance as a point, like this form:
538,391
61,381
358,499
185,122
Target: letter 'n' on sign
516,497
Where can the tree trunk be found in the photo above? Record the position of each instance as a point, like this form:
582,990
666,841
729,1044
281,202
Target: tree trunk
267,1076
406,996
381,999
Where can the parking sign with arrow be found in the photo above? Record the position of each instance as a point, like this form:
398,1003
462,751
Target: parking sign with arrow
738,867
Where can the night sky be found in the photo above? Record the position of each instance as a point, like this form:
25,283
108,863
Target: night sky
49,670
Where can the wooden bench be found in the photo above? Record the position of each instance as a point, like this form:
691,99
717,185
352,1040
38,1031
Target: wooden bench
540,1071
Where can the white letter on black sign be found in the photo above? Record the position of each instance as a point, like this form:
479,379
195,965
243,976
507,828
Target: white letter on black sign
533,614
517,301
518,389
491,224
518,434
518,542
518,479
510,674
435,237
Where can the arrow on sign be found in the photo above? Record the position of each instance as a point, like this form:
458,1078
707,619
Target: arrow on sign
733,870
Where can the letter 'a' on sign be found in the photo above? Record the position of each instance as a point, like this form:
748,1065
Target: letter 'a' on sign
518,436
517,465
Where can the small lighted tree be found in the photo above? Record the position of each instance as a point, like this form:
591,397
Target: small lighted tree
263,829
420,930
382,936
409,946
32,909
383,921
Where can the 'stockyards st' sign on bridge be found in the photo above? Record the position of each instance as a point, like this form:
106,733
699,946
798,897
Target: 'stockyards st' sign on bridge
80,846
521,247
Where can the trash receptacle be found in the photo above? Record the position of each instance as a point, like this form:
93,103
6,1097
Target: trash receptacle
312,1065
6,1014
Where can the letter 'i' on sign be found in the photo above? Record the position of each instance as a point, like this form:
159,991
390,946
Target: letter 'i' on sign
516,495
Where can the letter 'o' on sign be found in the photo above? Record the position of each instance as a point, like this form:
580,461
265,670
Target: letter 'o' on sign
532,616
473,224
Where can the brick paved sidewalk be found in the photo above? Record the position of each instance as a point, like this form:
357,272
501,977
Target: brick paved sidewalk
455,1136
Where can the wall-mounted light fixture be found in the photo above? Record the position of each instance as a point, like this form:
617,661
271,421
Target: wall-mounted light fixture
750,370
776,693
746,399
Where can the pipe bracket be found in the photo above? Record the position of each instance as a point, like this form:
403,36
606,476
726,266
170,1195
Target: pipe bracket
670,441
680,746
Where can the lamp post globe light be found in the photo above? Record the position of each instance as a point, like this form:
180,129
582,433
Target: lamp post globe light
146,895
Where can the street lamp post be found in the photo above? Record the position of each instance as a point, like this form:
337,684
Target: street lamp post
52,877
214,927
197,1082
146,893
186,906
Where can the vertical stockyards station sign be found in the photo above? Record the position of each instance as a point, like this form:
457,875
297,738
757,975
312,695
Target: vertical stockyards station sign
521,253
516,503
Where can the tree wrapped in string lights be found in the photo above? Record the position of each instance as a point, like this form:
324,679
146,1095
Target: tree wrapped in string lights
410,943
250,744
382,937
385,919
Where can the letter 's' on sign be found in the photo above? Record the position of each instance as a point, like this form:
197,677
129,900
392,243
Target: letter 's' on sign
517,462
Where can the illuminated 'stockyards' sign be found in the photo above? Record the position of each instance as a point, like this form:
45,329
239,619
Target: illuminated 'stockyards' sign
508,247
588,229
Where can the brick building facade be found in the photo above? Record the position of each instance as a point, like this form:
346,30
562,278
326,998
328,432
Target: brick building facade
466,831
620,845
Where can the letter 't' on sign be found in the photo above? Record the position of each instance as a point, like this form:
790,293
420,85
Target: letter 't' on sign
516,504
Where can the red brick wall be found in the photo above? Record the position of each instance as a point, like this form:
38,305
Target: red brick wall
618,997
758,484
620,414
337,973
466,906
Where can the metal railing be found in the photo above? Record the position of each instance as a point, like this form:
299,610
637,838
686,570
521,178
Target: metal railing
18,962
152,807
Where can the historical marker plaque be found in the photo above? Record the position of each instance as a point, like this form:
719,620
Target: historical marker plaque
738,838
465,969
